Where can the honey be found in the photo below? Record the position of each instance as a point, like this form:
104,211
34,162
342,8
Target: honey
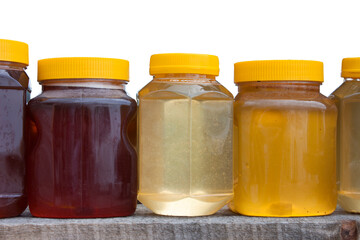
347,99
185,143
83,162
285,133
14,92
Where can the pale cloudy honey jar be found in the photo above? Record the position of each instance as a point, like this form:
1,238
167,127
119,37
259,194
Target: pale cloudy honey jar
185,140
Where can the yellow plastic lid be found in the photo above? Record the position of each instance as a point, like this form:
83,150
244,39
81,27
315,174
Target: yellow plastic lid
14,51
350,68
83,68
279,70
184,63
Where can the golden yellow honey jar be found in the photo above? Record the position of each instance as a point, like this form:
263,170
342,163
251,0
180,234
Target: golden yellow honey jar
284,140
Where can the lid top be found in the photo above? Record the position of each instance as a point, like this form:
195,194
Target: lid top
14,51
279,70
184,63
350,68
83,68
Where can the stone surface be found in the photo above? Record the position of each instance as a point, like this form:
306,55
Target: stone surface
146,225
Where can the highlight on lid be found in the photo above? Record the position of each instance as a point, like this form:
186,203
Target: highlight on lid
83,68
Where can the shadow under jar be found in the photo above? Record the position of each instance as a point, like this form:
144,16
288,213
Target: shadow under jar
83,161
285,139
14,92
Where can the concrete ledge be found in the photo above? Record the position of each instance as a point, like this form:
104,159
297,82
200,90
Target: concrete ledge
146,225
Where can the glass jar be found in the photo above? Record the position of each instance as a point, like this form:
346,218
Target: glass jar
83,162
284,162
347,99
185,137
15,92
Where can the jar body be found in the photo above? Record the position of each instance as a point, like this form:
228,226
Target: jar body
185,145
15,93
284,150
347,99
82,162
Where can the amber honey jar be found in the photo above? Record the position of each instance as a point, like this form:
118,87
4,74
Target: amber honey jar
82,162
347,99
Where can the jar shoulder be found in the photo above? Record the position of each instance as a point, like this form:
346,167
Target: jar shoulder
14,78
74,96
174,90
349,89
285,100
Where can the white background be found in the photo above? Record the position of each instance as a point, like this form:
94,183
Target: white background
325,30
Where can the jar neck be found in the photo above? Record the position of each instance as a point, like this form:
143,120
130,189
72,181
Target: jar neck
12,66
268,86
83,83
184,77
352,79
